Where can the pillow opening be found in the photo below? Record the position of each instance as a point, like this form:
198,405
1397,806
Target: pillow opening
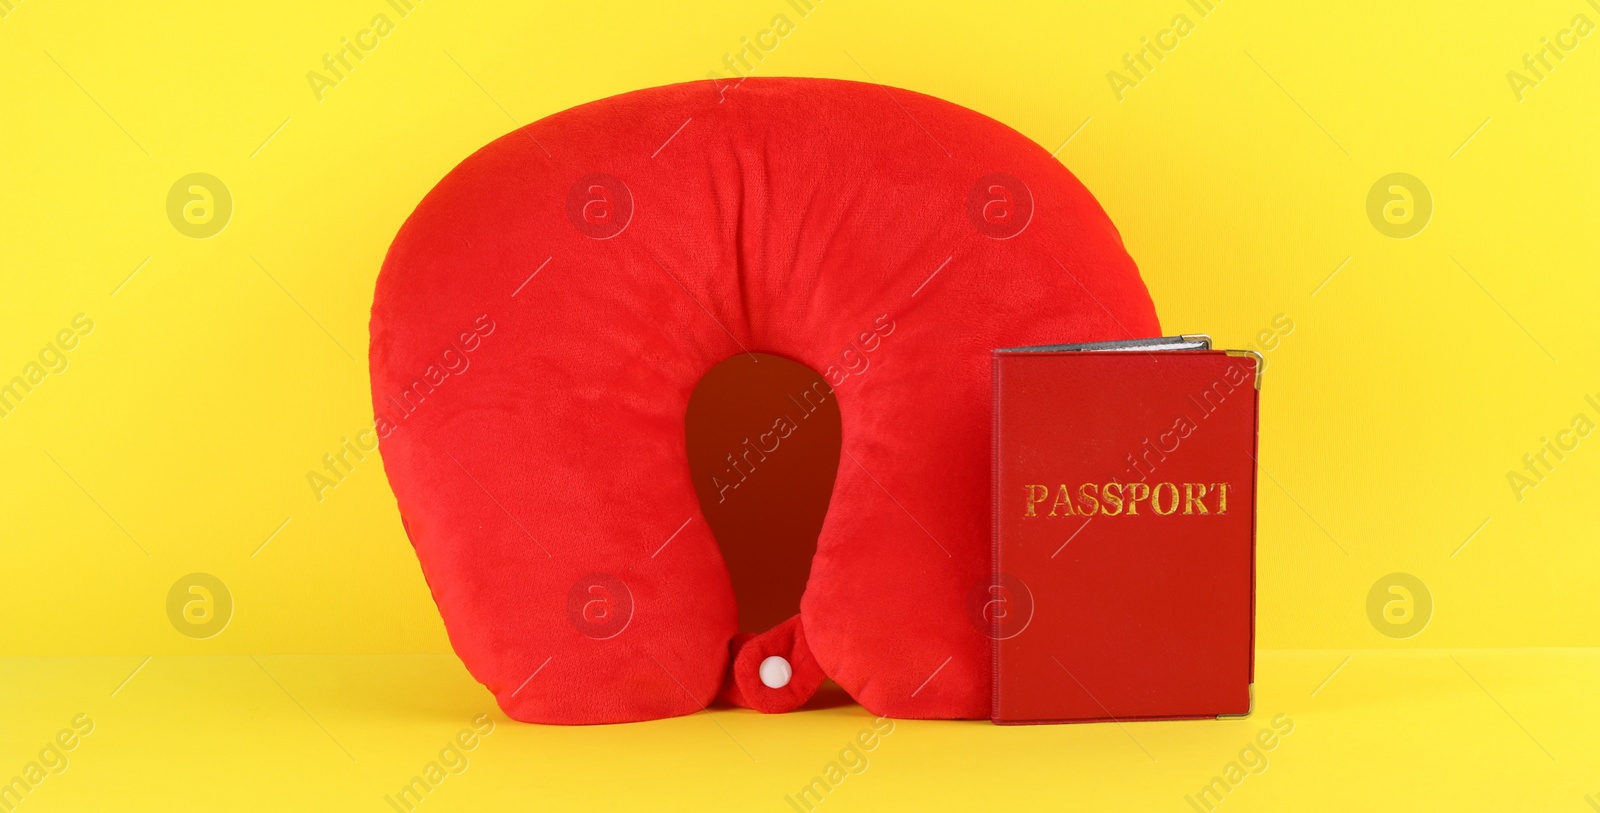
763,437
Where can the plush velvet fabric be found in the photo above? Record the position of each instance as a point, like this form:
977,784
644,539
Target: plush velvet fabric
543,316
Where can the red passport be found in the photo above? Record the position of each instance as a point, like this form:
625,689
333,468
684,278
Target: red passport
1124,531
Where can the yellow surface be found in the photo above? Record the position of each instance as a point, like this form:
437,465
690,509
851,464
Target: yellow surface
1422,730
1408,377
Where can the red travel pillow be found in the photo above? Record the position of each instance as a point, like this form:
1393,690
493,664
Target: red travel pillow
544,314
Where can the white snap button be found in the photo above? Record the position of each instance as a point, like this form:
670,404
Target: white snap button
775,672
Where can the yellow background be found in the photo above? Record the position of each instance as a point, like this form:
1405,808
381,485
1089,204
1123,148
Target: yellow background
216,376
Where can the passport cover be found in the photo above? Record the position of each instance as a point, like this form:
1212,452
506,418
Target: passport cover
1124,532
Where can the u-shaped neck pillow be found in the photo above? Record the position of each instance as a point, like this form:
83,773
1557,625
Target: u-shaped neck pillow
544,315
